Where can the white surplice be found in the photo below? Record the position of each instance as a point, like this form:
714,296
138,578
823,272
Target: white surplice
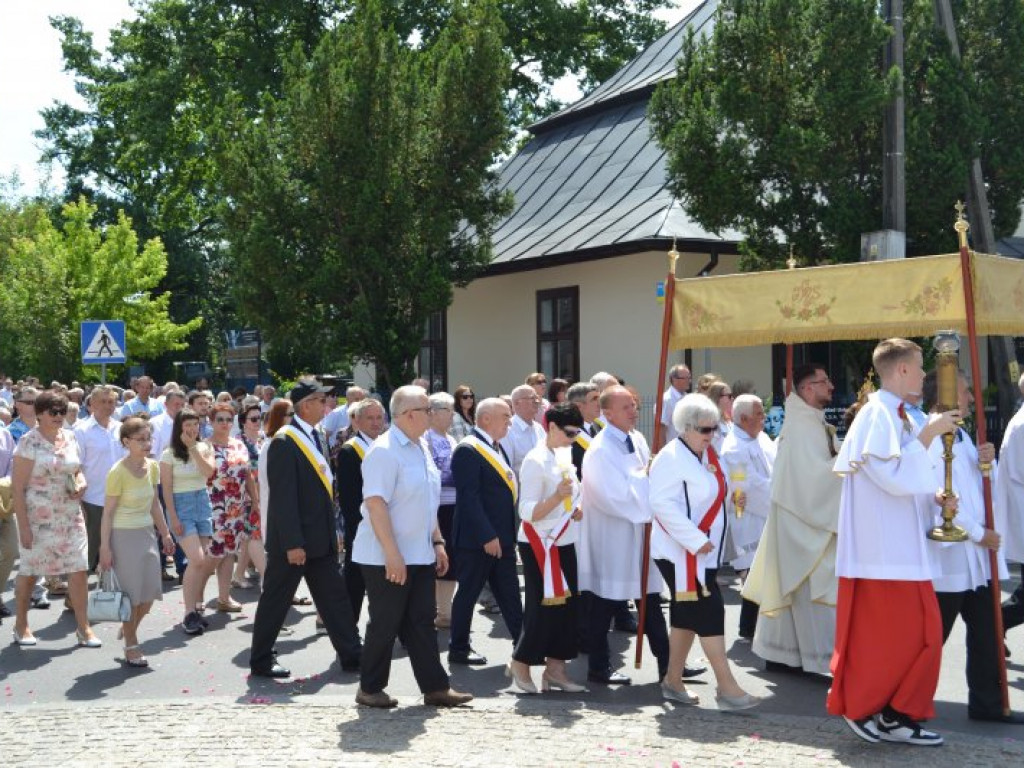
755,456
615,508
1009,490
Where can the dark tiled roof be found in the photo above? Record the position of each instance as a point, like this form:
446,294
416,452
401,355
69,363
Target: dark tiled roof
592,179
1011,246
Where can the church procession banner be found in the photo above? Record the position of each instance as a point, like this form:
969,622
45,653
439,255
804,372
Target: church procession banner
875,300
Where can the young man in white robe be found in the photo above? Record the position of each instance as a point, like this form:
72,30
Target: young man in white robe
888,627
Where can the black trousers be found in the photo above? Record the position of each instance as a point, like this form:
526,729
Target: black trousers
1013,608
353,572
327,588
549,631
600,612
476,568
748,618
405,610
983,694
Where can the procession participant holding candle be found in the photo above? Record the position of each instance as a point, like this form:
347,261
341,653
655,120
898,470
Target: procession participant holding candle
747,457
549,507
793,576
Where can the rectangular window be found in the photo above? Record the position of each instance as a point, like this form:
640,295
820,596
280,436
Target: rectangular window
558,335
432,364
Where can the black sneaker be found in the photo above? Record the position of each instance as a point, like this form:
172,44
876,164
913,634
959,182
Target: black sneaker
894,726
865,728
192,624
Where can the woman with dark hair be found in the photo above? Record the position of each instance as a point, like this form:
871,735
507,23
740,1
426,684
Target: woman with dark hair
557,390
185,466
127,544
249,432
47,485
465,412
230,485
549,507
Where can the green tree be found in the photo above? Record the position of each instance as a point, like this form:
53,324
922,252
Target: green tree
367,191
57,275
773,126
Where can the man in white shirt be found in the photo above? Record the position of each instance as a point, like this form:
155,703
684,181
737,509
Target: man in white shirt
338,420
679,379
747,457
612,533
889,630
524,433
400,549
162,424
99,447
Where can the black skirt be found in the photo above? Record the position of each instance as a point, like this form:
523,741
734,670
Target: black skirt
445,516
706,615
549,631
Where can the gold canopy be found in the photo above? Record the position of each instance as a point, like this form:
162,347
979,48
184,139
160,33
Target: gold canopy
875,300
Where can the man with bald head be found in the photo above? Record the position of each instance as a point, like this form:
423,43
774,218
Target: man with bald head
612,534
484,528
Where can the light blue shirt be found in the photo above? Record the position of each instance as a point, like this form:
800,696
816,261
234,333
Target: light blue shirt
401,472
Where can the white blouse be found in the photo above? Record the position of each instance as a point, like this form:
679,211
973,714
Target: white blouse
540,474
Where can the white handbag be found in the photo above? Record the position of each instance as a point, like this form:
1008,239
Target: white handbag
107,602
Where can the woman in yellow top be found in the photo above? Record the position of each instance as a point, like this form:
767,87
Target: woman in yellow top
127,542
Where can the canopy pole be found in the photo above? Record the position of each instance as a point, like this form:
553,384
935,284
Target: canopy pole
666,329
981,428
791,263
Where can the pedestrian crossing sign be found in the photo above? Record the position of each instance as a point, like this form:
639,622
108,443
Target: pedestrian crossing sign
103,342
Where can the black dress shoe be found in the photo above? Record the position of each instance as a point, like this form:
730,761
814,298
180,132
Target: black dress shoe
275,670
350,665
1014,718
608,678
40,602
689,672
470,657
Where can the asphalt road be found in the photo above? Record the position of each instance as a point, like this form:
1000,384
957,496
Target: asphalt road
214,667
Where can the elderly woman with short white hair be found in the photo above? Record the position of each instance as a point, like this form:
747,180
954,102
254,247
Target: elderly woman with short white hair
687,495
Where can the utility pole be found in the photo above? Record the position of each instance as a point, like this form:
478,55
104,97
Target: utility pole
894,188
980,217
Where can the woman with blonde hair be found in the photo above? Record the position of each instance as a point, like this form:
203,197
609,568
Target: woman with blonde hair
127,543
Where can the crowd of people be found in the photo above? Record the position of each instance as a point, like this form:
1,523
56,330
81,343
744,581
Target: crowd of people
424,508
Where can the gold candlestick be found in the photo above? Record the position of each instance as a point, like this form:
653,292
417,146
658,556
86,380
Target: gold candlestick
738,479
947,367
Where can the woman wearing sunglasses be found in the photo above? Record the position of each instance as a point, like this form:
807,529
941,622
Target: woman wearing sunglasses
250,433
465,412
549,508
687,495
230,485
47,485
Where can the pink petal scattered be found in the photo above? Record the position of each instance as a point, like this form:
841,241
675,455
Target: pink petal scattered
184,690
755,736
675,764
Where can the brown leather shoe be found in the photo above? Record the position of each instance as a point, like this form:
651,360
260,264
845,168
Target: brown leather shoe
380,700
448,698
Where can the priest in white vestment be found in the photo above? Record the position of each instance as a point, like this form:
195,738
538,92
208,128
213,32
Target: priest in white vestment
793,575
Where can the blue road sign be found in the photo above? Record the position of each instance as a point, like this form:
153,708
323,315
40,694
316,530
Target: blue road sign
103,342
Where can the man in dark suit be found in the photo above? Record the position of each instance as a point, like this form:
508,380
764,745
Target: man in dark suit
301,538
368,422
584,396
484,529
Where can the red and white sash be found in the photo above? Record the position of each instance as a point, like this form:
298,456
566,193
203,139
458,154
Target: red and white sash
545,549
686,582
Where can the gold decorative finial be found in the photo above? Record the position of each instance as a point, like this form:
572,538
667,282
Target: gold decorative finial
791,261
673,257
961,225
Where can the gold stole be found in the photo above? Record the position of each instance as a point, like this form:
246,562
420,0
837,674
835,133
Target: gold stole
583,440
360,451
493,461
289,431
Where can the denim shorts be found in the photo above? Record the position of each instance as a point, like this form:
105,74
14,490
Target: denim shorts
195,512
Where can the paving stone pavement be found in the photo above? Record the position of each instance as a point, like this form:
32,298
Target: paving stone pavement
520,733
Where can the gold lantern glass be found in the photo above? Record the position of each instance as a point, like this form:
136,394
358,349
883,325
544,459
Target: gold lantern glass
947,369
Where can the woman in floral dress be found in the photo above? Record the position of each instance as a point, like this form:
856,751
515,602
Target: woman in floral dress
46,487
230,484
251,435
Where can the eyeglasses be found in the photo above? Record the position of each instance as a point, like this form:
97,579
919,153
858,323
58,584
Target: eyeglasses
467,396
541,381
727,394
706,430
141,439
253,419
438,408
570,431
223,420
57,411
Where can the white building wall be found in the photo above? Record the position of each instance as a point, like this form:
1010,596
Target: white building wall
492,325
